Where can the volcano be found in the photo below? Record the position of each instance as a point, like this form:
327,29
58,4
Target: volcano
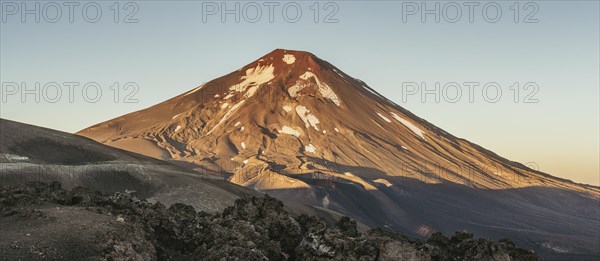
295,126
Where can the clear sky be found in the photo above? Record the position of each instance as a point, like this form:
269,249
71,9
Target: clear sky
169,47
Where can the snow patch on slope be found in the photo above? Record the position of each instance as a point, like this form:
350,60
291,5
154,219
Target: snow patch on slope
289,130
227,114
338,73
287,108
373,91
13,157
324,89
194,90
310,148
308,118
384,118
326,201
289,58
409,125
294,90
383,182
243,144
253,79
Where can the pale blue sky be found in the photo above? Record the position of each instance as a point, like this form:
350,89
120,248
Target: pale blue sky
171,50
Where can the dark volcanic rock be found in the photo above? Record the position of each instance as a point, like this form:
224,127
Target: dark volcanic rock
253,229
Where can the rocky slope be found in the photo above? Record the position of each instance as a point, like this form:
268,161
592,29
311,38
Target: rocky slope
122,226
297,127
297,113
31,153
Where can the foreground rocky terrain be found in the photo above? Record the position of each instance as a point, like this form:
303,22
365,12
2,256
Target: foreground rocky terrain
44,221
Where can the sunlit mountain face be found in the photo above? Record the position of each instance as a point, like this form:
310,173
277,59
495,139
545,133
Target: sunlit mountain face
297,127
